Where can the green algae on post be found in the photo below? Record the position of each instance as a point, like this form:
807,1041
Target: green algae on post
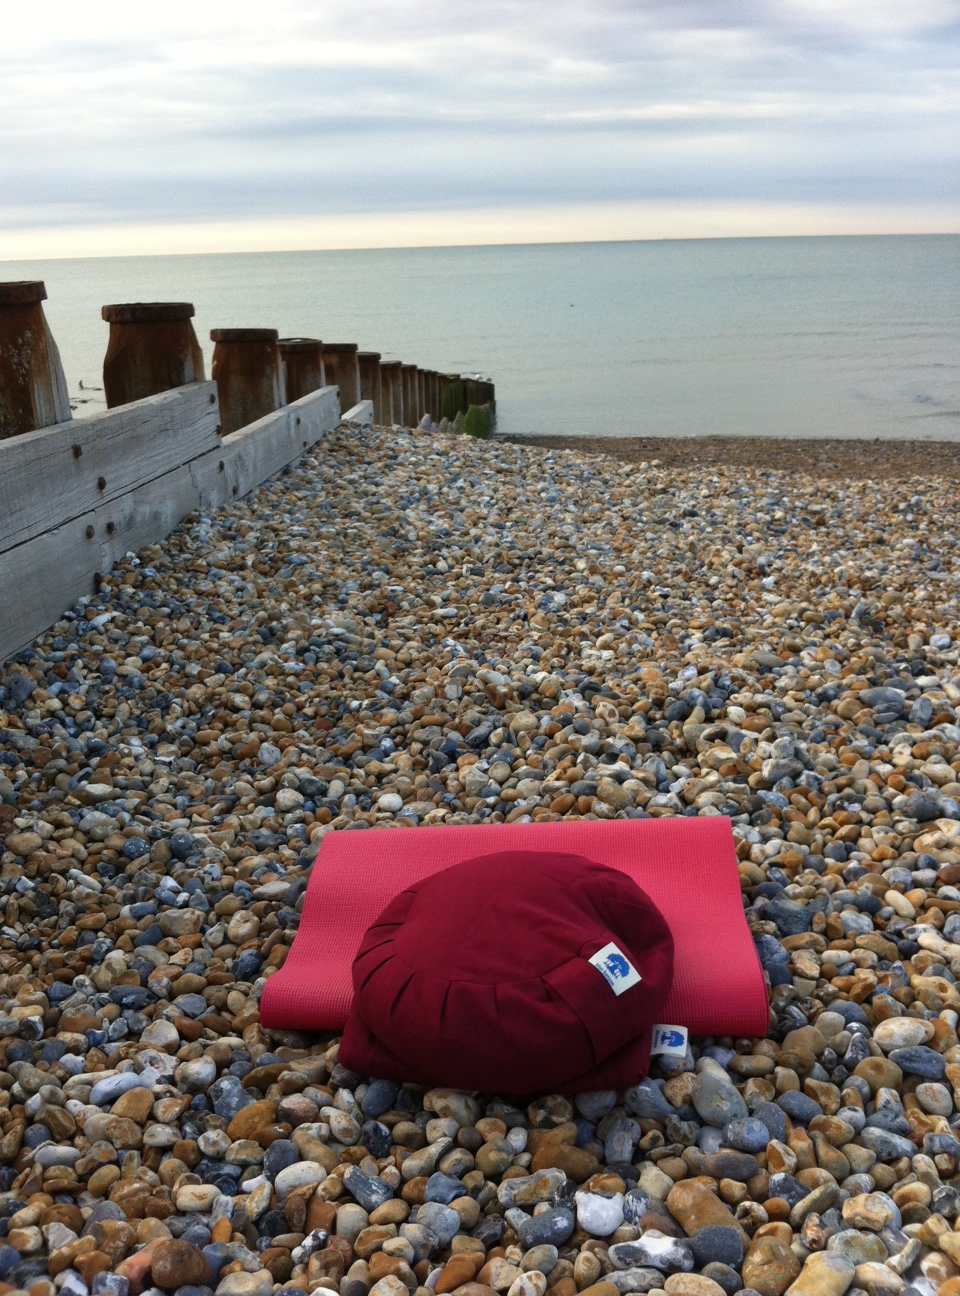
478,422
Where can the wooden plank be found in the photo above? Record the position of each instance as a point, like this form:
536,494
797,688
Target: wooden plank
256,453
47,573
361,414
146,515
41,578
44,481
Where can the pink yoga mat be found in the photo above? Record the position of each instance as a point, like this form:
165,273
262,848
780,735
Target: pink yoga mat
687,866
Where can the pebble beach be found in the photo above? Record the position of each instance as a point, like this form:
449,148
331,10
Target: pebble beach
410,629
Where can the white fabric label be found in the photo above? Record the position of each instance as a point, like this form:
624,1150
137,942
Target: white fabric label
670,1041
615,968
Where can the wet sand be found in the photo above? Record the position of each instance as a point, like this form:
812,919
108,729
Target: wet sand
880,460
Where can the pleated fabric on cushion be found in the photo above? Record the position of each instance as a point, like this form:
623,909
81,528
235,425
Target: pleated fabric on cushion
512,972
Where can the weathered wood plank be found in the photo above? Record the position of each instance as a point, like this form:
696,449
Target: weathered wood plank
258,452
40,579
361,414
146,515
45,482
47,573
43,577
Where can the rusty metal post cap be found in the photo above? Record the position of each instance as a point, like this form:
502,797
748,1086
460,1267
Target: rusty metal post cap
243,335
299,345
22,292
147,312
340,346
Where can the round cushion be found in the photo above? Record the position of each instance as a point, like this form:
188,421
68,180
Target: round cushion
511,973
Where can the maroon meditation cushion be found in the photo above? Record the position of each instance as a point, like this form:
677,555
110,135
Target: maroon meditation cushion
512,973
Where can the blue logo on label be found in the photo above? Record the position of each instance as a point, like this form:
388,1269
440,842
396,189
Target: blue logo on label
617,966
671,1040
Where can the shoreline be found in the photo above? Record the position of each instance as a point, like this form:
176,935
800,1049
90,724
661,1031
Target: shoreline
877,459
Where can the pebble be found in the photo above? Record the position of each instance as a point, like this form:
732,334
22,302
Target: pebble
552,1226
749,1135
599,1213
824,1273
401,632
653,1250
716,1100
716,1244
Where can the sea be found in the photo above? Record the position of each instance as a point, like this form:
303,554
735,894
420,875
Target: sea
775,337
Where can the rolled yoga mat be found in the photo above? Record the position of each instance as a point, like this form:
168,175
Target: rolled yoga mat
687,866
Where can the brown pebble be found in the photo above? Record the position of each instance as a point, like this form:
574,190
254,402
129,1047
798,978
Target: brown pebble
136,1104
695,1207
458,1270
175,1263
249,1119
89,1265
394,1211
322,1214
578,1164
136,1267
770,1266
879,1073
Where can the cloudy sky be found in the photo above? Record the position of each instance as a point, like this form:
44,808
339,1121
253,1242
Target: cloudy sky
231,123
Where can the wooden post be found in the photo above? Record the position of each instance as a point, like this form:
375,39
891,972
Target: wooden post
246,369
392,382
423,403
151,348
343,371
429,393
411,396
433,389
302,363
371,384
454,403
33,390
443,385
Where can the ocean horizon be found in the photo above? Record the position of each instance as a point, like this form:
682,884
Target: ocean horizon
822,337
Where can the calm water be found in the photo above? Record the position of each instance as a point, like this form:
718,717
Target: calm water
789,337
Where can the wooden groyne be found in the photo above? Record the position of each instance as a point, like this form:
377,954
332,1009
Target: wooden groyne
77,495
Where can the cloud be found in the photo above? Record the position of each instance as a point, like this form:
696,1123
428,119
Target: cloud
227,110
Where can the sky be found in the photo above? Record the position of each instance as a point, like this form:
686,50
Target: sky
197,125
